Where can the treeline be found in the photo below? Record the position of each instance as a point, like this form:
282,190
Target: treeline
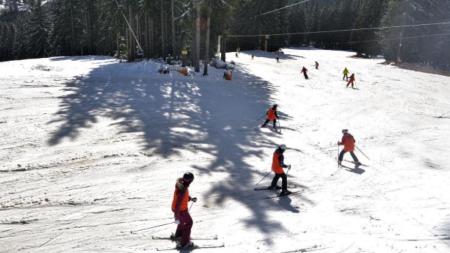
156,28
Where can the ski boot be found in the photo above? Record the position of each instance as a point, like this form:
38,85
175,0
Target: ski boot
175,238
285,193
188,246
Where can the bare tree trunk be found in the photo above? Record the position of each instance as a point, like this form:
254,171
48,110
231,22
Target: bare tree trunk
223,49
146,35
197,36
163,34
131,41
174,50
72,30
152,36
208,34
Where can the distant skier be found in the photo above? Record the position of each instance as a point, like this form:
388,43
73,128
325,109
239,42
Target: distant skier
227,74
351,81
277,168
271,115
349,146
317,65
304,71
180,209
346,72
253,56
278,59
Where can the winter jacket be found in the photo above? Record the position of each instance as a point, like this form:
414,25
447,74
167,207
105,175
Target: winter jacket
349,142
272,114
180,197
278,162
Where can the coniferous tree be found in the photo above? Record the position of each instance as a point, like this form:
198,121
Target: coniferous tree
37,35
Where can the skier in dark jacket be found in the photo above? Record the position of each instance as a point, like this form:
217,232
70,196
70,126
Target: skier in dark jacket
304,71
351,81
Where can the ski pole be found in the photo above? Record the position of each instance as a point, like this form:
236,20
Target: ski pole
191,206
157,226
263,178
289,168
362,152
337,157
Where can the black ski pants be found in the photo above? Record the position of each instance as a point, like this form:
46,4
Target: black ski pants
283,181
268,120
341,156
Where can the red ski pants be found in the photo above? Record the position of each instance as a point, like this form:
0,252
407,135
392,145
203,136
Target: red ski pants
184,228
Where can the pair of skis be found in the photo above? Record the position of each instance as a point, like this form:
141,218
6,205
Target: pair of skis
196,246
279,195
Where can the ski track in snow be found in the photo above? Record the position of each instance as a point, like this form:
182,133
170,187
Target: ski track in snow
91,148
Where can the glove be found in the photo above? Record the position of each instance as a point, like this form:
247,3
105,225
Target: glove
177,221
194,199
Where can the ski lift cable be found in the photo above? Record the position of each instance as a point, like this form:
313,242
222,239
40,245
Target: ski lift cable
129,26
282,8
340,30
393,39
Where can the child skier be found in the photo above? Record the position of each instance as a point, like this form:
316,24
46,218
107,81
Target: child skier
346,72
305,72
349,146
351,81
277,168
180,209
271,115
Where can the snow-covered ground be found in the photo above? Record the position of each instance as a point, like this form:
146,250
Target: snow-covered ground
90,150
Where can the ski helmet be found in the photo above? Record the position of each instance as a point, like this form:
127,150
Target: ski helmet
282,147
188,176
344,131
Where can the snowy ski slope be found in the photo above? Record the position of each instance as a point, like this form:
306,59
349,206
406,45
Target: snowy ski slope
90,149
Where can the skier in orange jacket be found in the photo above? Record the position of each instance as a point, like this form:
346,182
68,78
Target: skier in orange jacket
180,209
277,168
349,146
271,115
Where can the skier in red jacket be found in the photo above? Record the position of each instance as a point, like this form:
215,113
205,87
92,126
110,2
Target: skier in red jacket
180,209
277,168
271,115
349,146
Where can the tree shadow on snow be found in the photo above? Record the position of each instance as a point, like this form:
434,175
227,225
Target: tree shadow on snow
216,117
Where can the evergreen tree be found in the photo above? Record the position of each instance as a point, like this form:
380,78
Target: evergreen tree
37,41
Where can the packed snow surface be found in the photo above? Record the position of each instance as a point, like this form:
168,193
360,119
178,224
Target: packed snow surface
90,149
